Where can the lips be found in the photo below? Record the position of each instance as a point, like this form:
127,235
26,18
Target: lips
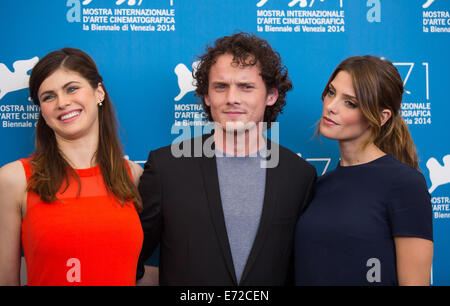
328,121
234,113
69,116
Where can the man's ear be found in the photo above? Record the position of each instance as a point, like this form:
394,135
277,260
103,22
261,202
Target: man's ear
272,96
385,115
206,99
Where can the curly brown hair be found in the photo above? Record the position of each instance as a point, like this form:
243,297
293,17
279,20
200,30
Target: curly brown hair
247,50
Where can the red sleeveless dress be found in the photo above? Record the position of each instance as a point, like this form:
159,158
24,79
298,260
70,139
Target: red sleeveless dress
90,239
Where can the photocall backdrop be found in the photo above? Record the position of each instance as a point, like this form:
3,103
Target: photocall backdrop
147,49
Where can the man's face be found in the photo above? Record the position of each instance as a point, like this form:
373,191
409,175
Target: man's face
237,95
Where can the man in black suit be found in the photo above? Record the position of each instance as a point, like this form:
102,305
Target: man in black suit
224,206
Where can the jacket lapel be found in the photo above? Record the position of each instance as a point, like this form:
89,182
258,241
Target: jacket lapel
211,181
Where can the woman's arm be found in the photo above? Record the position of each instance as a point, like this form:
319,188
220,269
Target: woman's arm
414,259
12,194
136,171
150,278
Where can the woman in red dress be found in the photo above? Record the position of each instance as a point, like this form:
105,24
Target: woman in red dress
73,205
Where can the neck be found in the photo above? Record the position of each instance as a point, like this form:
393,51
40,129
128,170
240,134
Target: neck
79,153
352,154
239,143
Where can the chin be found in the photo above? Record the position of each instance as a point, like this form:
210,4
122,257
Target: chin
238,126
327,134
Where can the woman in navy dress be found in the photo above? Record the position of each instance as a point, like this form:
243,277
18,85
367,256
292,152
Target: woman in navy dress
370,221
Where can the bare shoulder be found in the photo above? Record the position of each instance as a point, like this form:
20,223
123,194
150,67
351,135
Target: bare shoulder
13,183
12,175
136,171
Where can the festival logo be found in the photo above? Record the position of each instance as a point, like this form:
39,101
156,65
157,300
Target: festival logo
427,4
261,3
116,18
437,18
416,104
301,3
186,82
439,175
17,79
118,2
187,114
17,115
405,79
321,163
300,16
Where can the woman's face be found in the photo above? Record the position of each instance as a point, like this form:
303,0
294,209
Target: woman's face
69,104
342,118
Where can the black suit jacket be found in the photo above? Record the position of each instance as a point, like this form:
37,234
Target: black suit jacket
183,213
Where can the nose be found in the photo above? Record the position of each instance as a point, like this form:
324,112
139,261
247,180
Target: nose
233,95
63,101
330,105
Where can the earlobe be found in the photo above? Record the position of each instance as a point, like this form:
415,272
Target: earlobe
385,115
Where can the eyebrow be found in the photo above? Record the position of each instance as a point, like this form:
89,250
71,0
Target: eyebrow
64,87
219,82
245,82
239,83
346,96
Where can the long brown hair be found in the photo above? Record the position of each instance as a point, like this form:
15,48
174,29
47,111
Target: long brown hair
378,86
50,168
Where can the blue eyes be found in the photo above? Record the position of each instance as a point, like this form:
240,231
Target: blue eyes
69,90
46,98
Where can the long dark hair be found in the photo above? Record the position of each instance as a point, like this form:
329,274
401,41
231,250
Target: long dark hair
378,85
50,169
